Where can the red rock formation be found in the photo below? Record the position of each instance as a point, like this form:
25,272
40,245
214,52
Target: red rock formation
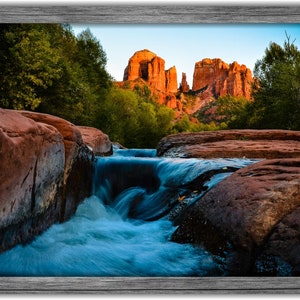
212,78
26,146
156,74
184,87
171,102
96,140
284,241
42,160
151,68
77,161
171,80
232,79
138,65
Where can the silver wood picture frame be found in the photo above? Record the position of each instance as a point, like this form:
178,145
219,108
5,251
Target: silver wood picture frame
148,14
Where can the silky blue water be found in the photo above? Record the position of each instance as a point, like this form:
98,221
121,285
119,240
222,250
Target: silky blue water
123,233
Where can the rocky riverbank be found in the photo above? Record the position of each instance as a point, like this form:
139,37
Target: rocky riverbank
43,158
252,217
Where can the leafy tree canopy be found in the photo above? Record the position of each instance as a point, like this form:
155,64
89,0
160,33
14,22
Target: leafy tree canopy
277,89
44,67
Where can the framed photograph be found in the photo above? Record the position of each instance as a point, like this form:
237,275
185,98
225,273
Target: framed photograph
152,238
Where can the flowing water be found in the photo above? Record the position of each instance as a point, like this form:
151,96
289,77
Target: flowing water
124,228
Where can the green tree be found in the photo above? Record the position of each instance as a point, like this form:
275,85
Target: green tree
117,116
277,89
28,65
231,111
165,120
84,81
130,119
182,125
44,67
91,55
147,131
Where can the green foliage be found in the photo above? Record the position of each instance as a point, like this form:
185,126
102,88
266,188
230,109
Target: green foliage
231,110
143,91
29,65
92,56
183,125
224,112
277,89
130,120
47,69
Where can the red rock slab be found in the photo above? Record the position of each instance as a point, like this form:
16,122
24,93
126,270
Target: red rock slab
98,141
241,149
232,143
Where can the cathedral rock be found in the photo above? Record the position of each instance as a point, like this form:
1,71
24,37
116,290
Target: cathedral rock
222,79
212,78
148,66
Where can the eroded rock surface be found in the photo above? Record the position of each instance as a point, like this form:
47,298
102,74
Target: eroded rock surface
232,143
224,79
256,209
43,160
78,166
149,67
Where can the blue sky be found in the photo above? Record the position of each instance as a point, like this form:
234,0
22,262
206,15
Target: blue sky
184,45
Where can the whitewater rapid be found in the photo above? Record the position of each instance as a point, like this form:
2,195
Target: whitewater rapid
123,228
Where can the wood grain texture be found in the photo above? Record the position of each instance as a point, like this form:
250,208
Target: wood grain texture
148,285
149,14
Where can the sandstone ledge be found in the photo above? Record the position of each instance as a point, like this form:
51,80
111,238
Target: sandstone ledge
232,143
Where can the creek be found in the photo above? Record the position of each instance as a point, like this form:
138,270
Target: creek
124,227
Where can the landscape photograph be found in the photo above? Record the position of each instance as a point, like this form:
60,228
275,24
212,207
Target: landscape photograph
159,150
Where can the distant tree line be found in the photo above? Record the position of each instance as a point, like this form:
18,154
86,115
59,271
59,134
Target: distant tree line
46,68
